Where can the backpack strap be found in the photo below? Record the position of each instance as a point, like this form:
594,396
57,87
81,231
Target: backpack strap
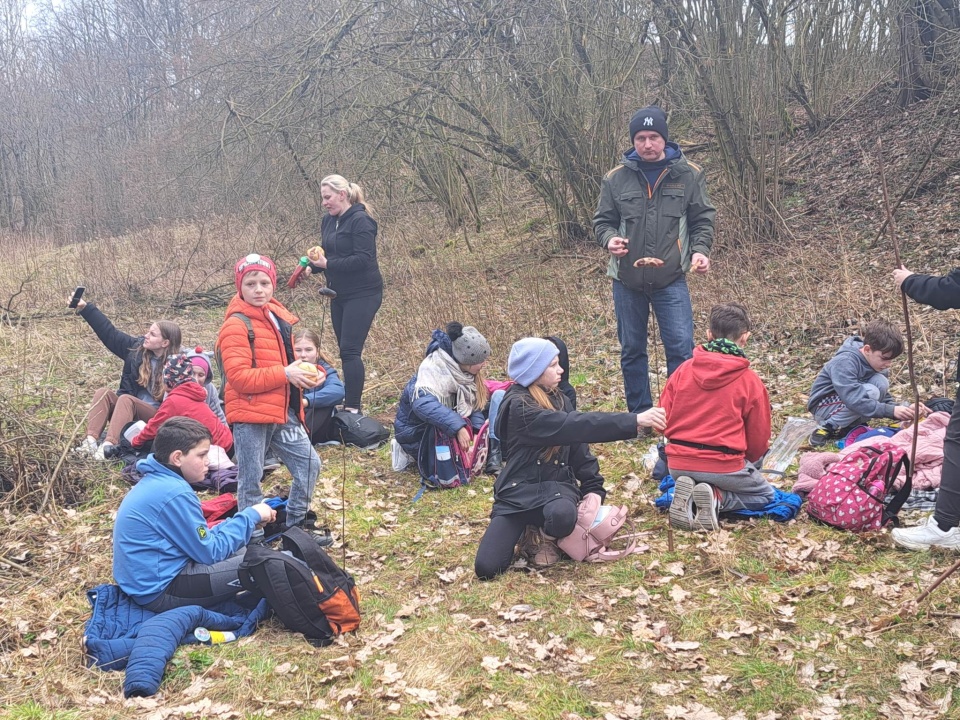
306,547
892,508
218,354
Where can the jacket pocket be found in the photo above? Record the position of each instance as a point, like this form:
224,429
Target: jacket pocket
632,204
671,202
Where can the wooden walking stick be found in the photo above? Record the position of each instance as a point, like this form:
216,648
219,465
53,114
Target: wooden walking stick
911,606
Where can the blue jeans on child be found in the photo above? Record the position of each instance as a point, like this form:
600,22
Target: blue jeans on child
291,444
671,306
832,410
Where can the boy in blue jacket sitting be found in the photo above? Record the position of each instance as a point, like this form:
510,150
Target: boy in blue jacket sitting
164,555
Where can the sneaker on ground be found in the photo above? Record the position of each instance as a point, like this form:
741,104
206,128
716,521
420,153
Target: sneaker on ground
322,535
103,452
271,464
87,448
927,536
826,433
706,503
681,509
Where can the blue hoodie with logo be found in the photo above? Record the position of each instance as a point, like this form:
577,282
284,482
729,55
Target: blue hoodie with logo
160,528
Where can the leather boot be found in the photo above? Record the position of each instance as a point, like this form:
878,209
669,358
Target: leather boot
494,459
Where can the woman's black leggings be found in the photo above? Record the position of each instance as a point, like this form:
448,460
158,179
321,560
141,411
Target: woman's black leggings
352,319
557,518
947,512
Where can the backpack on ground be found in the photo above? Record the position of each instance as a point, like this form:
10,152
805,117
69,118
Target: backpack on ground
359,430
218,354
444,465
852,493
597,525
307,590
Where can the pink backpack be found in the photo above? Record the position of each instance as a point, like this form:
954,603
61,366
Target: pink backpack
597,524
852,493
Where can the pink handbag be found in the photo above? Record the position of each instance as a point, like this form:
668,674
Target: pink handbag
597,524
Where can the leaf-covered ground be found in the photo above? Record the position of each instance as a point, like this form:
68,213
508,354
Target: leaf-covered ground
759,620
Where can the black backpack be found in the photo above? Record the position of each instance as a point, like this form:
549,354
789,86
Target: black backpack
359,430
309,592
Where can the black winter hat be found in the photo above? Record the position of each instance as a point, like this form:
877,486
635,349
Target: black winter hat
649,118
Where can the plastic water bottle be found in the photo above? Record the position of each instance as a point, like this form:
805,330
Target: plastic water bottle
213,637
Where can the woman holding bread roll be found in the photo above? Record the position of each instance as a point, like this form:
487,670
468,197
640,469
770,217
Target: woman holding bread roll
349,259
320,401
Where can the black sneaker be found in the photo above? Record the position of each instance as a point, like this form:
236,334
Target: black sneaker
322,535
826,433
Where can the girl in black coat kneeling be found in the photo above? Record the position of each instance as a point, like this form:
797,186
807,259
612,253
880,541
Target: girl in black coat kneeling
548,465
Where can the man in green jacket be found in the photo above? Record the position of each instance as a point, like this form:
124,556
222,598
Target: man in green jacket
656,220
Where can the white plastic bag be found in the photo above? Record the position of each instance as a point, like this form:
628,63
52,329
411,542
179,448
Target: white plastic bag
399,456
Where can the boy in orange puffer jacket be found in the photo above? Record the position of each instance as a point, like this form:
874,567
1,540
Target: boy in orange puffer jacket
263,389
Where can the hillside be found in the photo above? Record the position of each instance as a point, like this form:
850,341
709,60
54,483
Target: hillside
759,620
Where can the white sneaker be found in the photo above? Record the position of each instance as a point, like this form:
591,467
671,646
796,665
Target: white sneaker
100,454
927,536
87,448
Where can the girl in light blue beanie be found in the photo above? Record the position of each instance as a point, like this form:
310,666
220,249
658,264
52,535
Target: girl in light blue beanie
549,467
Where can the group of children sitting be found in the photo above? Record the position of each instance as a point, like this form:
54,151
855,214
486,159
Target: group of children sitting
714,411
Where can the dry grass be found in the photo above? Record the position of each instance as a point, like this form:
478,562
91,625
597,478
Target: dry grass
757,621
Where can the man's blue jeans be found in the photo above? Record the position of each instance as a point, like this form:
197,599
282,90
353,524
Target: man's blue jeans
674,314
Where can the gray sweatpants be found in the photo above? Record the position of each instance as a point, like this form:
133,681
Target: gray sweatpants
840,416
291,444
745,489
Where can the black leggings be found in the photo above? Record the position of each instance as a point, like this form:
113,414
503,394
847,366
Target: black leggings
557,518
947,512
351,323
204,585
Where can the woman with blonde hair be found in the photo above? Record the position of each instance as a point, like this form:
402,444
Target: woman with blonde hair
349,240
548,466
141,382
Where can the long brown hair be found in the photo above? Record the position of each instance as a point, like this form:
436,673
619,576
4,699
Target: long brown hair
483,394
312,337
153,381
546,400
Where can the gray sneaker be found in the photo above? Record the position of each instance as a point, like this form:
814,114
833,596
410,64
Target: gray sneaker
707,506
681,509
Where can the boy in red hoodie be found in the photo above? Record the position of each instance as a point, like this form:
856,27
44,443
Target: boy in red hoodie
718,426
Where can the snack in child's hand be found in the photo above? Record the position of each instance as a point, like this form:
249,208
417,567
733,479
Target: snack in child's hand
648,261
317,374
315,253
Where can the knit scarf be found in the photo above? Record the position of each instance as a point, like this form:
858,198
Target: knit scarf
727,347
441,376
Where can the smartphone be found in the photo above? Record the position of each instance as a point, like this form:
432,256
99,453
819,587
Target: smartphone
77,294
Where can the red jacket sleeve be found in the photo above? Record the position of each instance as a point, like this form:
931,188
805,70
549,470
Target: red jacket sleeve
757,421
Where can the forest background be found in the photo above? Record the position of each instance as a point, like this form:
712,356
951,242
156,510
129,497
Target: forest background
145,145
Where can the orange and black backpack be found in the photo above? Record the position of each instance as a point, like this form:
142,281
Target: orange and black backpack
306,589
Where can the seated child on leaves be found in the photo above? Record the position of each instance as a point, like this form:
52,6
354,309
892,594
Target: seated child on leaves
447,392
718,426
854,384
164,555
318,402
185,398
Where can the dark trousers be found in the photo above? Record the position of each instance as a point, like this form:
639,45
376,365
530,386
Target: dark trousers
352,319
319,423
557,518
204,585
948,499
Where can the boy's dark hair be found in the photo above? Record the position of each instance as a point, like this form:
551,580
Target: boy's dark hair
729,320
178,433
884,336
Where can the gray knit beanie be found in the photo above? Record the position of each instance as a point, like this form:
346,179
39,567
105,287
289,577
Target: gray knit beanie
529,357
471,348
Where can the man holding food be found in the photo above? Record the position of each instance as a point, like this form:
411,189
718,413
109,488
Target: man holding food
655,218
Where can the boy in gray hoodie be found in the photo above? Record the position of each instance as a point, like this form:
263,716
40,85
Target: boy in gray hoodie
854,384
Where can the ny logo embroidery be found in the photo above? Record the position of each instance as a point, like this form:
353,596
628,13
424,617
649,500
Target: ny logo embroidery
648,122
